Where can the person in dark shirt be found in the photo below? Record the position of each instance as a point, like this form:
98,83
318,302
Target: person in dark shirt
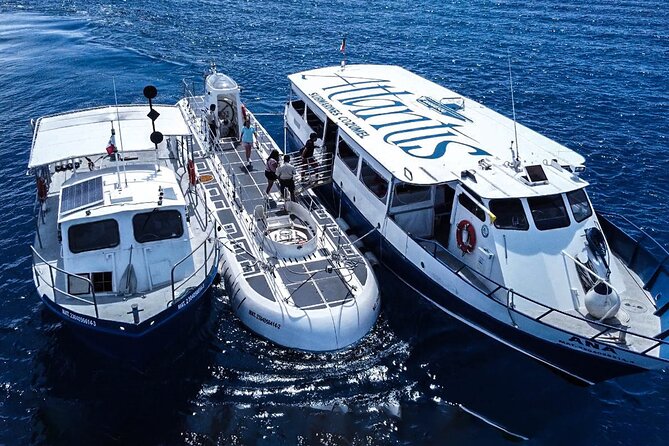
270,169
308,153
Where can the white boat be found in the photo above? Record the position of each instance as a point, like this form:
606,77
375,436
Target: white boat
292,276
125,247
486,219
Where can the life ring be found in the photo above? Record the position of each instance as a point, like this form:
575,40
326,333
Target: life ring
192,178
42,189
243,113
466,245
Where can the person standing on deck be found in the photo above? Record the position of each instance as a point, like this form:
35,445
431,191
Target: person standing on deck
270,169
212,119
248,132
286,174
308,159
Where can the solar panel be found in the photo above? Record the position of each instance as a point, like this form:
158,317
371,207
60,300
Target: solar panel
536,173
81,195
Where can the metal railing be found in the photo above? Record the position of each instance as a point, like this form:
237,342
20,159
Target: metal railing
315,172
207,255
53,286
511,302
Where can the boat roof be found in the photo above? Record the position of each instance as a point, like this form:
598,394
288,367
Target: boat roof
419,131
96,194
87,132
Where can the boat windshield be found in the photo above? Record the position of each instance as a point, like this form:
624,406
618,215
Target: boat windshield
510,214
548,212
157,225
580,207
92,236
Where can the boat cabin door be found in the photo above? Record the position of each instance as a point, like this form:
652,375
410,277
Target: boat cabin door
470,238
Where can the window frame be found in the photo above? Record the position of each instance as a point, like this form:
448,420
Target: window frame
428,197
383,198
566,218
153,212
310,109
475,209
348,146
300,111
111,244
571,208
498,201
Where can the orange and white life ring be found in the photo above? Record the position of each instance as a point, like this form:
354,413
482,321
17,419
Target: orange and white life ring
465,236
192,178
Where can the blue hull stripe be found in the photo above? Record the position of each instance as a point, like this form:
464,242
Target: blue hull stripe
160,324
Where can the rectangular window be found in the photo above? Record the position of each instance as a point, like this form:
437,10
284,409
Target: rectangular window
410,194
92,236
374,182
316,123
468,203
580,207
548,212
330,136
348,156
298,105
77,286
510,214
157,225
102,281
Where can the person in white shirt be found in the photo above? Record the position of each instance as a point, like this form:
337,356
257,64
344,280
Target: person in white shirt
286,175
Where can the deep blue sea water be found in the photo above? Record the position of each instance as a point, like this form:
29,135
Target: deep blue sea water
591,75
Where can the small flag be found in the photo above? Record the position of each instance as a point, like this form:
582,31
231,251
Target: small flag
111,145
342,47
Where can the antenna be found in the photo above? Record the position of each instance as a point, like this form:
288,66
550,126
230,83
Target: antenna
120,139
150,92
515,153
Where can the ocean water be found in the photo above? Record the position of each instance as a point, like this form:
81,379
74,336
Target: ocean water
591,75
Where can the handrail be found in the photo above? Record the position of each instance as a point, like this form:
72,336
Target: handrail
634,225
62,271
207,239
499,286
597,276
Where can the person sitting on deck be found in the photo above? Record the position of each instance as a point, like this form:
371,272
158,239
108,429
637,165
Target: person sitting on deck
286,174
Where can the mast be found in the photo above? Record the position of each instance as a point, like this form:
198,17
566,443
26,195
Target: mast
514,153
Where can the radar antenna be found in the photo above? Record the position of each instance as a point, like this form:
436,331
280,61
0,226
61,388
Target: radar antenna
515,156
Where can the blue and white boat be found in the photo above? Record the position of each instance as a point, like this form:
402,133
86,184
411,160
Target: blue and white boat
486,219
126,247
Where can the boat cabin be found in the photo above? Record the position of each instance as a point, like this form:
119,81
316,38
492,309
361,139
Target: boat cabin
124,240
436,172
